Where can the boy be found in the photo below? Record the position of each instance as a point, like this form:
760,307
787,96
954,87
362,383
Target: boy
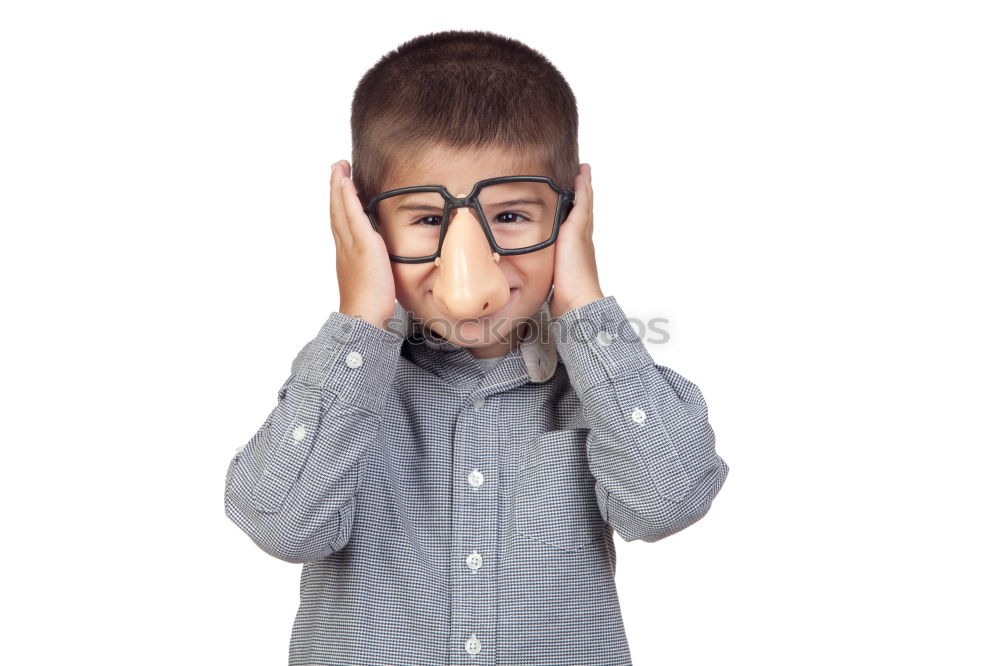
451,454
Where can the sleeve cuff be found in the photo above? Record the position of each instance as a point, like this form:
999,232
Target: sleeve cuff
596,343
352,359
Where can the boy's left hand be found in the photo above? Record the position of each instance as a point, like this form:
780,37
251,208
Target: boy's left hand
575,277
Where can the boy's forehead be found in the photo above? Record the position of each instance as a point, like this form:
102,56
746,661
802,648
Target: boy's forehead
458,170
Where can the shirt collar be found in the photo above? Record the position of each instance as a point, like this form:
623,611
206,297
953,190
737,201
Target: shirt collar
537,351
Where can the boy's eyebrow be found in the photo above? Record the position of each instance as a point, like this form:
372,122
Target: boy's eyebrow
519,202
419,207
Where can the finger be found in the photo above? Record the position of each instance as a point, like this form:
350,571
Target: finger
334,224
581,201
588,186
338,220
357,219
590,192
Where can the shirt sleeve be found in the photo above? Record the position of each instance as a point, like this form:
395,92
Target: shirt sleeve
650,446
291,488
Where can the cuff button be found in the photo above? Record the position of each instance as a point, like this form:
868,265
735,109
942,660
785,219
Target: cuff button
604,338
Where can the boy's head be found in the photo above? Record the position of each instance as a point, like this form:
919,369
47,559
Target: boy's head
453,108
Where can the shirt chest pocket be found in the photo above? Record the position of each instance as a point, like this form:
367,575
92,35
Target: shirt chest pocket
554,500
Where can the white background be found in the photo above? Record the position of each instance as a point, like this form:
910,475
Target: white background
807,191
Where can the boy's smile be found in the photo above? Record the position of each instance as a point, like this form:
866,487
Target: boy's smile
467,296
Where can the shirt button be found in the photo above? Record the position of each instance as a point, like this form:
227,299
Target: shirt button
299,433
353,359
239,449
604,338
474,560
473,646
638,415
475,478
478,403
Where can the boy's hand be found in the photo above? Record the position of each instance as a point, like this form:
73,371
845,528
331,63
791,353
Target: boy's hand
575,278
364,272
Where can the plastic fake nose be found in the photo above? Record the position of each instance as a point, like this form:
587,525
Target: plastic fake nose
469,283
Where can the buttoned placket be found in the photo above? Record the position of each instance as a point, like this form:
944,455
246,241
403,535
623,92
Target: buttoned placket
606,339
352,360
474,523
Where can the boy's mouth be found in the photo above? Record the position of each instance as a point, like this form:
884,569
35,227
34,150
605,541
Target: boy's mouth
513,292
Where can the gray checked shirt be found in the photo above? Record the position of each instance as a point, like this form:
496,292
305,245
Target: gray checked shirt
449,515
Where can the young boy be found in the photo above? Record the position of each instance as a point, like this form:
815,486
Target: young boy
451,454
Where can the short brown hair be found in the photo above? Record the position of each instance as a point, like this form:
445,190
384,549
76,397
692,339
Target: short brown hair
461,89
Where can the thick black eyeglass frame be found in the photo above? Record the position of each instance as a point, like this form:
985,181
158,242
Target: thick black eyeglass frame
563,206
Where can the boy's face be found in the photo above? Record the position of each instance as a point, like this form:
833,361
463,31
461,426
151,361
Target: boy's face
467,296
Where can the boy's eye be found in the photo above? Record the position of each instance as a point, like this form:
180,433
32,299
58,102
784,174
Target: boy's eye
508,215
505,218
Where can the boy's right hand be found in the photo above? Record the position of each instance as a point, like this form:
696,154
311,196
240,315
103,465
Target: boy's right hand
364,272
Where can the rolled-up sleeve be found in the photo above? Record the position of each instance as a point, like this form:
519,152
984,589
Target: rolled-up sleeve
292,487
650,446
